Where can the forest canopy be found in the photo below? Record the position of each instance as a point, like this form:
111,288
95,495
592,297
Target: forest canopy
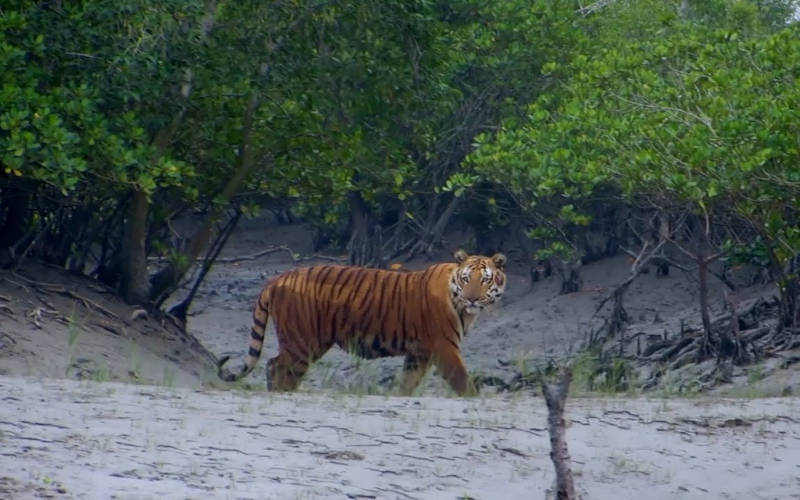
381,122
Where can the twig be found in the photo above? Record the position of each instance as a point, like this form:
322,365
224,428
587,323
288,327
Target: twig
81,54
36,317
513,451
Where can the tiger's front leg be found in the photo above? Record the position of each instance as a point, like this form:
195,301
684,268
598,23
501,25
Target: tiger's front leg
414,369
451,367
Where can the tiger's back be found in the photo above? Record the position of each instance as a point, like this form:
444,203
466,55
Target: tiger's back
370,312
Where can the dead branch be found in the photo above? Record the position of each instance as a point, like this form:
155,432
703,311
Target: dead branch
296,258
688,355
555,395
619,317
750,336
651,352
511,450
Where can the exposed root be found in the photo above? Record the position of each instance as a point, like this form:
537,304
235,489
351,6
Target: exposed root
6,310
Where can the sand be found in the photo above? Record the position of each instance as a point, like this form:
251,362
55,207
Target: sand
113,440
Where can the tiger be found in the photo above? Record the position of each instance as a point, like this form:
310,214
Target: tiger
422,315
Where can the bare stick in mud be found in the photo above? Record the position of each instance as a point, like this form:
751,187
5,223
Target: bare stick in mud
555,395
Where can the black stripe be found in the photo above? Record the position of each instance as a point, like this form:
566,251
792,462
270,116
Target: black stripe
333,305
404,327
259,323
340,270
323,303
322,277
360,277
369,301
454,326
336,287
387,301
397,307
383,305
257,336
253,352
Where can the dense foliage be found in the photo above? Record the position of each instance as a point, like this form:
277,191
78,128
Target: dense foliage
380,122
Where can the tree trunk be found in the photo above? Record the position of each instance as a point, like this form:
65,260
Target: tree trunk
433,234
528,251
14,216
365,247
789,289
134,286
134,257
702,278
181,309
555,397
571,280
168,279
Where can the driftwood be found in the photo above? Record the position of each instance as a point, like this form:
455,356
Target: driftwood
555,395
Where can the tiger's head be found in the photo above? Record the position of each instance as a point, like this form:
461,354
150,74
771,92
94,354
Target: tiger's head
478,281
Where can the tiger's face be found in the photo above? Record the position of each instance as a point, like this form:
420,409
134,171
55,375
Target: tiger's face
478,281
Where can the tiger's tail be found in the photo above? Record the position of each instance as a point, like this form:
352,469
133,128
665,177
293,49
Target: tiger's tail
260,317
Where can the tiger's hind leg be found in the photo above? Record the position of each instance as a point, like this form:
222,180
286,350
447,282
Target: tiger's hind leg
286,370
414,369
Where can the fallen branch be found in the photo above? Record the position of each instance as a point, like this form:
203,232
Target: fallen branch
296,257
754,334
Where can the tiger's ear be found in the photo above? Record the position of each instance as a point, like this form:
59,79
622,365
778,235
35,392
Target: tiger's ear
460,256
499,260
